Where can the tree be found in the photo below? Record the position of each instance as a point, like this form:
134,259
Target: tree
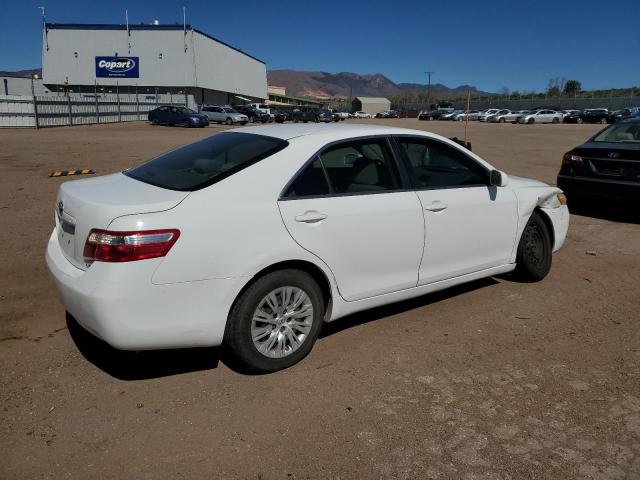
572,87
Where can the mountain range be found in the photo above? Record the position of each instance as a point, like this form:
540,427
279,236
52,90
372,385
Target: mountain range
347,84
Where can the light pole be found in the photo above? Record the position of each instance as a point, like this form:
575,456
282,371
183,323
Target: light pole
429,87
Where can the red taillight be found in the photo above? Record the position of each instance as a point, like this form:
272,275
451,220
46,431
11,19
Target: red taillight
572,160
106,246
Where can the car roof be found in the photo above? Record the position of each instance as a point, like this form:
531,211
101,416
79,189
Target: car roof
289,131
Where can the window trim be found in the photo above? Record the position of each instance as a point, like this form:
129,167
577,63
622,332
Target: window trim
409,168
403,176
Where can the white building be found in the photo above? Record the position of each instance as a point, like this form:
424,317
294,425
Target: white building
151,59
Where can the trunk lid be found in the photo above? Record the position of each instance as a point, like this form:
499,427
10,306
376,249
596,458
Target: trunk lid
613,161
94,203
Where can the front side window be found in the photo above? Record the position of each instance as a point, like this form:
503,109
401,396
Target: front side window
435,164
203,163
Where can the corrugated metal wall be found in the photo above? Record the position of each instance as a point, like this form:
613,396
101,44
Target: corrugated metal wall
81,108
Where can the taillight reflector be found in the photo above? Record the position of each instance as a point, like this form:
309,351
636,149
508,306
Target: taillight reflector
108,246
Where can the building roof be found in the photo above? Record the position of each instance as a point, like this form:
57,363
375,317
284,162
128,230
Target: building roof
373,99
118,26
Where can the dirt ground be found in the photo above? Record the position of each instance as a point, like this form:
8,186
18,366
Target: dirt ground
492,380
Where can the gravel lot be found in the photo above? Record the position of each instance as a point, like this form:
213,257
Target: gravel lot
492,380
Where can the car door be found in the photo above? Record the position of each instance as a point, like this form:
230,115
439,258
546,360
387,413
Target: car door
350,208
469,225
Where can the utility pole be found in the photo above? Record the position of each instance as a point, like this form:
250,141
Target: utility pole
429,87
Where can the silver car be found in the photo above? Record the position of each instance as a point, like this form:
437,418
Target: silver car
504,116
482,117
225,114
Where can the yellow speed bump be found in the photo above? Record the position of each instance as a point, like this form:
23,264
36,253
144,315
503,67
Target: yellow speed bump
64,173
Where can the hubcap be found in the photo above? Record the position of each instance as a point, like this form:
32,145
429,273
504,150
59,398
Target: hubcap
533,244
282,322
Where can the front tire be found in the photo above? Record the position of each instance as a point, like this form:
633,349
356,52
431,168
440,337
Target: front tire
228,121
533,260
603,121
531,121
275,322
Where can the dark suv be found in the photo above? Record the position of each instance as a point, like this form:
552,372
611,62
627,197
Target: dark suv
306,114
253,114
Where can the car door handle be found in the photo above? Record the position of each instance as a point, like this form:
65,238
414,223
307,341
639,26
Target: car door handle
311,217
436,206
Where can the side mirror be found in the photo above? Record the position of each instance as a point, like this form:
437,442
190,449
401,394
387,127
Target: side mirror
498,179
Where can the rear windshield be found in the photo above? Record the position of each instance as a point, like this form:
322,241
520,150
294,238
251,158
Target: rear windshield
620,133
206,162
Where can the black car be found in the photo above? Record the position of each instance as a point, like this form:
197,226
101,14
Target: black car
595,115
281,116
253,114
623,114
306,114
434,114
169,115
608,164
328,116
575,117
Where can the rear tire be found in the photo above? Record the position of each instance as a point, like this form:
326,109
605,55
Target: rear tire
501,120
228,121
555,120
253,323
603,121
533,260
579,121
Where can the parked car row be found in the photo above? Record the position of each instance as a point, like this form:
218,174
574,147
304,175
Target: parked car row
537,115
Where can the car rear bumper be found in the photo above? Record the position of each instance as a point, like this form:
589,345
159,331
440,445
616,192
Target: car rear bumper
585,187
118,303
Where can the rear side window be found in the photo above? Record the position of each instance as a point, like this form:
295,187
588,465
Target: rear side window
206,162
310,182
360,166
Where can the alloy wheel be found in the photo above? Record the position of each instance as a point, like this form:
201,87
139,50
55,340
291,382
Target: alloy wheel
282,321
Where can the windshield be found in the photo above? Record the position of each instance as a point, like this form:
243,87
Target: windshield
229,110
620,133
186,111
206,162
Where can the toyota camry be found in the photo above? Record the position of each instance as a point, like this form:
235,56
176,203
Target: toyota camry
252,238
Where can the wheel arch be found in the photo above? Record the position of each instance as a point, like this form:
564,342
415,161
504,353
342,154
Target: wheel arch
312,269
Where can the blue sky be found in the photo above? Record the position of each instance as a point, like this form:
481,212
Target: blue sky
489,44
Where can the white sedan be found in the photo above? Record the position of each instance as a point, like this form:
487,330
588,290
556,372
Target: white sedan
253,238
541,116
361,115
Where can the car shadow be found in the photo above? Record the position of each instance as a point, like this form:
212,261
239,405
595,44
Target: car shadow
377,313
144,365
612,210
125,365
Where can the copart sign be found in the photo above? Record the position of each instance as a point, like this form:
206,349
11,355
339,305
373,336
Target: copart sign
118,67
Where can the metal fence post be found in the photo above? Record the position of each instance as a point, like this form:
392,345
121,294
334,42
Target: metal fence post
69,107
137,104
35,104
186,98
95,97
118,100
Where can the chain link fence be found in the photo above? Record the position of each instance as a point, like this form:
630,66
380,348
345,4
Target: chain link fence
527,103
